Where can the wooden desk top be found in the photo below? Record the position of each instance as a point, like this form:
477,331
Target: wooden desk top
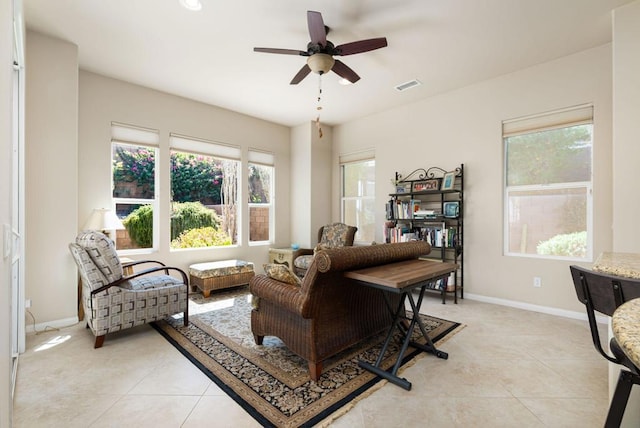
625,324
403,274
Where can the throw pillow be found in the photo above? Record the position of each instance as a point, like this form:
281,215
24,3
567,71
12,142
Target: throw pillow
281,273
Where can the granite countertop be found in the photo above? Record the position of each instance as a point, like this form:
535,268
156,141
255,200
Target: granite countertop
619,264
625,324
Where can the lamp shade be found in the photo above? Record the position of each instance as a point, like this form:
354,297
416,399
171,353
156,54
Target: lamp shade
103,219
320,63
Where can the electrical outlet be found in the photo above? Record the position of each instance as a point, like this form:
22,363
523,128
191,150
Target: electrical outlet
27,303
537,281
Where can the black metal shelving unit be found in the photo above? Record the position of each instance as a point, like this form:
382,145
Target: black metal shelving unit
429,205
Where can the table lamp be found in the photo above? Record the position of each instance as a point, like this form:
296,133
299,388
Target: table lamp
103,220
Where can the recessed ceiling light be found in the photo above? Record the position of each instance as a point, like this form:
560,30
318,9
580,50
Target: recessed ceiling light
191,4
343,81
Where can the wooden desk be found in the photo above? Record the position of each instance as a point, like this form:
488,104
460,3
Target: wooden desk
402,278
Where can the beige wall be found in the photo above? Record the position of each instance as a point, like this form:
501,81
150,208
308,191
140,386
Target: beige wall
321,172
464,126
103,100
311,183
626,114
626,156
51,177
300,184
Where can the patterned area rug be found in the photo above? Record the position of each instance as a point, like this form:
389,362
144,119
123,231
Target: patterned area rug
268,381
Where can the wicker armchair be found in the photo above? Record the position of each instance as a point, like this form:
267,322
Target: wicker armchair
334,235
327,313
113,302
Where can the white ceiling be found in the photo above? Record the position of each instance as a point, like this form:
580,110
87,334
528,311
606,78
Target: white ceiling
208,55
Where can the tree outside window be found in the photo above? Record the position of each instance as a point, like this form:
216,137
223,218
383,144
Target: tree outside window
203,200
134,176
260,202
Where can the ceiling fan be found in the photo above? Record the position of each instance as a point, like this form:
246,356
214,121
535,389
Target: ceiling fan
321,51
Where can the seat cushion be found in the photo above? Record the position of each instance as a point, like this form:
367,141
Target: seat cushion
303,262
220,268
150,281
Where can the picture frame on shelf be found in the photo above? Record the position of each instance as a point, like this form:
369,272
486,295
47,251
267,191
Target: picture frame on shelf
403,188
448,181
451,209
419,186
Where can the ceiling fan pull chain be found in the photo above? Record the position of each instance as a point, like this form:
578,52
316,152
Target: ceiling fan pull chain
319,107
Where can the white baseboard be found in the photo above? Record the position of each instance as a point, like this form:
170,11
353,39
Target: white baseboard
40,327
535,308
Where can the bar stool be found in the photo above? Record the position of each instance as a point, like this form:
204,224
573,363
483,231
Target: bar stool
604,293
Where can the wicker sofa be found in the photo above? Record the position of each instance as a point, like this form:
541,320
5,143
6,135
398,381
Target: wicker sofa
327,313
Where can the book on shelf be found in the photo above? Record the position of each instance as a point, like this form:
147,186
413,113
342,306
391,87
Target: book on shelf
398,233
402,210
438,235
389,209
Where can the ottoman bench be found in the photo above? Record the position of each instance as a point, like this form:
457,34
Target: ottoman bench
218,275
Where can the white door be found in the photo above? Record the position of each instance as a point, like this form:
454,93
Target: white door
15,232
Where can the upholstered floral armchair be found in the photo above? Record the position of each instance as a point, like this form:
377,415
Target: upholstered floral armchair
330,236
114,302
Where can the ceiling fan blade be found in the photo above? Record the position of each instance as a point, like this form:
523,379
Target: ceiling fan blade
281,51
317,30
300,75
361,46
342,70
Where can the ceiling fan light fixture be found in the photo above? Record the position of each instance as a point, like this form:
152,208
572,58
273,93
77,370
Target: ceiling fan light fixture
320,63
194,5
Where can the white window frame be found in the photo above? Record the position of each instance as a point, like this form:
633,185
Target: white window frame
351,158
564,118
137,136
256,157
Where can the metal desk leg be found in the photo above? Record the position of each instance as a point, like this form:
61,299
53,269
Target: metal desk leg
392,377
429,347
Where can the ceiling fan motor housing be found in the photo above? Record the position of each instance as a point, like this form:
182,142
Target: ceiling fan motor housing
328,48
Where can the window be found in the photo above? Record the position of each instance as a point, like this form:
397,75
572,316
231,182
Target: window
260,182
548,184
133,154
358,194
204,193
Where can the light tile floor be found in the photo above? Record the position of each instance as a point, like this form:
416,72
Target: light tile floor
506,368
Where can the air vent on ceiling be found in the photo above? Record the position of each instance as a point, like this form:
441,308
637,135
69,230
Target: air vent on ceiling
408,85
